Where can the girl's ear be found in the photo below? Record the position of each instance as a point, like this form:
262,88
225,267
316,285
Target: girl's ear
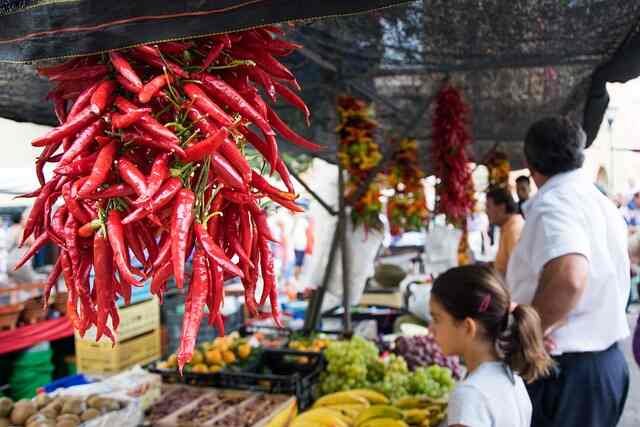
470,327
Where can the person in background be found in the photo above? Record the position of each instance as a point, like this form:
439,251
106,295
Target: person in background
502,211
523,190
300,235
632,212
501,344
572,265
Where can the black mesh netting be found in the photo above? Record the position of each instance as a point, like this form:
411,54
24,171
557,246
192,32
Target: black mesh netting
514,61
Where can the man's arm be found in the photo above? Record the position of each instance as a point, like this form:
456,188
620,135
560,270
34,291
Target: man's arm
562,283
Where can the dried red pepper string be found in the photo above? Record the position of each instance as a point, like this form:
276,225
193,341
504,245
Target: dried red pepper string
163,160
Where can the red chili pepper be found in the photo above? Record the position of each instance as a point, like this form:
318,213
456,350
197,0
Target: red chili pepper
127,85
260,218
101,96
52,280
196,300
121,121
72,300
293,99
237,197
70,127
275,307
71,237
103,282
57,223
46,157
78,167
181,221
159,173
225,94
70,196
239,162
82,101
100,169
267,62
206,147
227,174
164,196
135,244
87,314
112,191
160,278
265,148
201,120
290,135
82,142
282,170
153,87
212,55
286,203
52,70
88,229
125,69
147,239
202,101
123,289
116,239
152,57
113,311
150,141
130,174
214,251
147,122
35,215
258,76
35,247
164,252
266,266
174,48
263,185
82,73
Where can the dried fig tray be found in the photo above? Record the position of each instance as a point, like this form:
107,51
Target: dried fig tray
173,399
257,413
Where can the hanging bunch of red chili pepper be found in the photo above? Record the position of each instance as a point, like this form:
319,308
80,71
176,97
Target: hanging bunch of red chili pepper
358,154
150,164
407,208
450,141
499,168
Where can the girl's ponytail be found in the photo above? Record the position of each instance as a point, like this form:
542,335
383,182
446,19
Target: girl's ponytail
522,344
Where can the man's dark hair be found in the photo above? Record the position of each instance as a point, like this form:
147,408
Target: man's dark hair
554,145
523,178
500,196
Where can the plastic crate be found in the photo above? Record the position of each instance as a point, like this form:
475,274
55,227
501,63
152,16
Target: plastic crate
276,373
101,358
135,320
172,311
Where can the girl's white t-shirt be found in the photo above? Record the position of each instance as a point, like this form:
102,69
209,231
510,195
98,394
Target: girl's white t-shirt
491,396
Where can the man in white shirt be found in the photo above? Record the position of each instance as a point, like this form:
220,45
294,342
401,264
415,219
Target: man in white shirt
572,264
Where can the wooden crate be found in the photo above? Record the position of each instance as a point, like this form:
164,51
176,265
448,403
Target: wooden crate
101,358
135,320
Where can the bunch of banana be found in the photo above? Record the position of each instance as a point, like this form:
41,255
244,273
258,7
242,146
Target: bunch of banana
422,410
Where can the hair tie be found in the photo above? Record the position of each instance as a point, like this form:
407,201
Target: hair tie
484,304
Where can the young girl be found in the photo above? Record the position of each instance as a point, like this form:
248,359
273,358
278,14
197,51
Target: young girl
473,318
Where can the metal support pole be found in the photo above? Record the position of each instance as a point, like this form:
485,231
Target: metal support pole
312,317
346,291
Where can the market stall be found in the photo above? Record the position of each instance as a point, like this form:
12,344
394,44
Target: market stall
166,147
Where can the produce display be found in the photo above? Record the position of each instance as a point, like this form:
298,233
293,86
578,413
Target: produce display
367,408
149,159
308,344
450,141
171,401
422,350
248,415
356,364
211,357
210,407
47,411
358,154
407,208
215,407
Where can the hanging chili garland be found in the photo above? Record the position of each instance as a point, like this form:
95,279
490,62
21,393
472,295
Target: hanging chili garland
149,161
499,168
407,208
450,140
358,154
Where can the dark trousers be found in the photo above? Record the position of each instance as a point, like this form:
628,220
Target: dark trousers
586,390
